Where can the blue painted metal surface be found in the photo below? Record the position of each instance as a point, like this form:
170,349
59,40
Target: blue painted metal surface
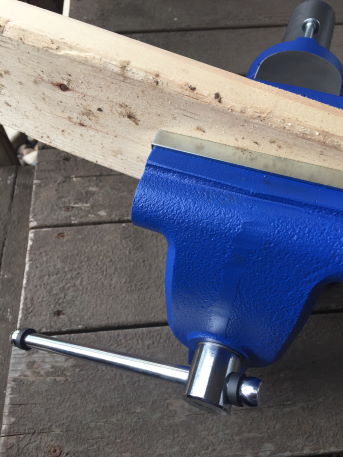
247,251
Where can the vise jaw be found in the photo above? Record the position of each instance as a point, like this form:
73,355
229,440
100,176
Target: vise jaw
248,251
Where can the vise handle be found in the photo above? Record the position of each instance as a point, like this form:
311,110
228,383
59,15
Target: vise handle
239,389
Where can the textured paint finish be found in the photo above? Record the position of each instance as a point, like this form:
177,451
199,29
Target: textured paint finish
247,250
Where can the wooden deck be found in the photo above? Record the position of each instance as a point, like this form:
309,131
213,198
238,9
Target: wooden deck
95,279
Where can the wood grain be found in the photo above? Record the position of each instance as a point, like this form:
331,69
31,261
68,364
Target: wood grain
103,96
133,15
53,164
65,194
7,181
64,406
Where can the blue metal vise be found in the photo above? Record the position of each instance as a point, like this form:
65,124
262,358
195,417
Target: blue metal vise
248,249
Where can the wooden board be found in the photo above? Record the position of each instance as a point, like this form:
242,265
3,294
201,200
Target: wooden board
133,15
12,260
91,277
67,407
103,96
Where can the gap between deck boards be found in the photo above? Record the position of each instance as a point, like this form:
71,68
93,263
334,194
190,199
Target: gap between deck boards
74,331
80,224
209,29
106,328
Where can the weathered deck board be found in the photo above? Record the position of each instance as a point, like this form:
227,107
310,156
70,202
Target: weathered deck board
54,164
68,407
132,15
69,191
86,204
231,49
12,260
220,47
7,180
105,276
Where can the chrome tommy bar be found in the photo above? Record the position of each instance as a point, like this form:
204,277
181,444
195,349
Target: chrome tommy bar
203,380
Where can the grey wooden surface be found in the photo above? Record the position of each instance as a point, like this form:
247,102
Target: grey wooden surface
64,407
136,15
91,275
7,184
229,35
231,49
7,180
71,191
97,276
15,196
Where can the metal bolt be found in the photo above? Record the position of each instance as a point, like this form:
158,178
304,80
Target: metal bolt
310,27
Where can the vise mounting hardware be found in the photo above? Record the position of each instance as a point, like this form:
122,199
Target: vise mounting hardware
251,239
